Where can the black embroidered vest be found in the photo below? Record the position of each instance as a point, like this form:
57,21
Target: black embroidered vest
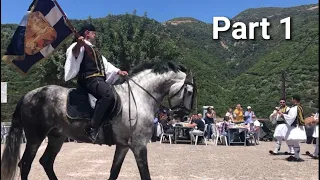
299,121
281,120
92,67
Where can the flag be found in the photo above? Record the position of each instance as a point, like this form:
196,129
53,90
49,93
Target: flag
39,34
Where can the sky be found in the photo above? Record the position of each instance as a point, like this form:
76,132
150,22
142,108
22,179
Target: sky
12,11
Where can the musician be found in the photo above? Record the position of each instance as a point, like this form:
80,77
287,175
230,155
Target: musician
281,128
296,130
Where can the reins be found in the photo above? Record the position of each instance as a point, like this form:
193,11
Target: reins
127,78
158,102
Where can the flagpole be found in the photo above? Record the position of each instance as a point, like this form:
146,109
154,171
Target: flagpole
73,29
67,20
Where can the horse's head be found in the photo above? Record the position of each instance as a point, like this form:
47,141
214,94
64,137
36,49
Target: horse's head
181,96
167,78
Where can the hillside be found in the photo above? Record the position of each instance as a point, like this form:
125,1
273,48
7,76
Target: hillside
258,64
227,71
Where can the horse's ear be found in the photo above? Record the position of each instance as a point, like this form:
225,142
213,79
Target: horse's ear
171,65
189,76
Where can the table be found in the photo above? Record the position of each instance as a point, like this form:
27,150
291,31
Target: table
185,138
238,130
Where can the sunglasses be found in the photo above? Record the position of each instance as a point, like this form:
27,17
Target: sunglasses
282,102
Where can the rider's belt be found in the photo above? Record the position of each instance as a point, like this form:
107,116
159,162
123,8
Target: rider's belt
281,122
94,75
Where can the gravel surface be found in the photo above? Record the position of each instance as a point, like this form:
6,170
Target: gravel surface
180,161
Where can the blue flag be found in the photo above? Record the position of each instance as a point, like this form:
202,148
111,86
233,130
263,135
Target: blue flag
39,34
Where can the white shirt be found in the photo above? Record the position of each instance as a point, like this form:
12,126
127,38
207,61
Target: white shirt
230,115
291,116
275,116
72,65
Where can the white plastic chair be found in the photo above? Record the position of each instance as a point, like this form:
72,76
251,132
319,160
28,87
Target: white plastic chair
163,135
202,134
216,136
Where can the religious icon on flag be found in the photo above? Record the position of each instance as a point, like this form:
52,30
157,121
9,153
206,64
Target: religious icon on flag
41,31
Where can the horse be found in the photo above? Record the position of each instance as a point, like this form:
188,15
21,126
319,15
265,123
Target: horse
42,113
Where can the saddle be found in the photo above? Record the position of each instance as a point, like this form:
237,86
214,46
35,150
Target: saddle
80,106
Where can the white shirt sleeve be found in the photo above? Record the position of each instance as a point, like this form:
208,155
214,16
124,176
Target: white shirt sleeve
291,116
111,71
273,116
287,109
72,65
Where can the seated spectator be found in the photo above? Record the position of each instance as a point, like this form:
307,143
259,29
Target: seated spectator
199,116
192,118
198,126
167,125
185,119
230,115
224,126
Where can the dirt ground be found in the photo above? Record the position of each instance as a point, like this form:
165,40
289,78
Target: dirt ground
180,161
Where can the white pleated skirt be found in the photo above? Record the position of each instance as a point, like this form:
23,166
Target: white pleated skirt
296,133
280,131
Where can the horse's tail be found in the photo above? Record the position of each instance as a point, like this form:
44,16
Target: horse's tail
11,153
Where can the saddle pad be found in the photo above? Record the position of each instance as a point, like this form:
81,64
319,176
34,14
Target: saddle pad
78,106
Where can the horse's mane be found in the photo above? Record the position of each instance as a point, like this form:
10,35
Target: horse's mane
157,67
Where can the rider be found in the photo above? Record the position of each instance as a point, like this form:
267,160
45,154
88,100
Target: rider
95,74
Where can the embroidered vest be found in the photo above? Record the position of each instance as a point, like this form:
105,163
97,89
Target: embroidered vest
284,109
92,67
299,121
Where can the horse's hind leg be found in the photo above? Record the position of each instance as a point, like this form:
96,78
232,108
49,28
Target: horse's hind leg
118,158
32,146
140,153
55,142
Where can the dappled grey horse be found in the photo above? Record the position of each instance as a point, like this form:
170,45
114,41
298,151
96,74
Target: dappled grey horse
42,113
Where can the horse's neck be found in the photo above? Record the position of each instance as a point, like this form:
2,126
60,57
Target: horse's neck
156,84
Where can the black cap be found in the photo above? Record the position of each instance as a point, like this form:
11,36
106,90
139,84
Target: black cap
86,27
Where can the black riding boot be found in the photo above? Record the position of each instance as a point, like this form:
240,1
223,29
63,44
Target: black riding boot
102,106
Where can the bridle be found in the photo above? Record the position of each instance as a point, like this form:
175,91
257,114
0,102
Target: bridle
184,87
180,106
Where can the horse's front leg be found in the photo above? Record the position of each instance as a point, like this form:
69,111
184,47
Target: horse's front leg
118,158
140,153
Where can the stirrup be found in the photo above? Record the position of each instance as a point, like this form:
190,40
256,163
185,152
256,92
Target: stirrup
92,137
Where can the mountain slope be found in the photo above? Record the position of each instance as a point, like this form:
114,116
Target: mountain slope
269,58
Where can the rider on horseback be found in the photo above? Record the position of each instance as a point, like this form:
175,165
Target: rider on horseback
95,74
